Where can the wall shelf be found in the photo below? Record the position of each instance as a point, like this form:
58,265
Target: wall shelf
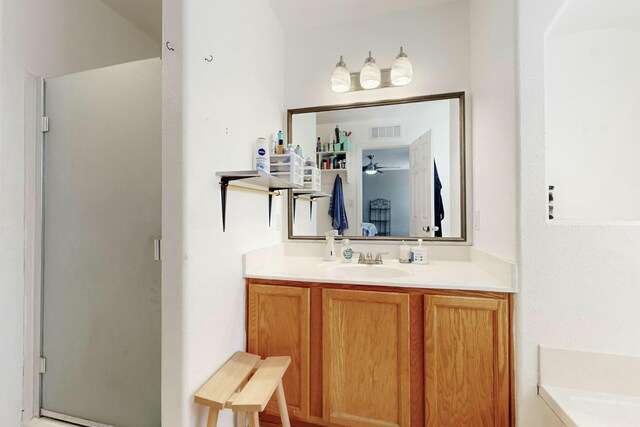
309,195
345,156
266,183
331,152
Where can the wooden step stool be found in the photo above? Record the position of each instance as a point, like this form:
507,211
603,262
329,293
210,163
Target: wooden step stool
232,386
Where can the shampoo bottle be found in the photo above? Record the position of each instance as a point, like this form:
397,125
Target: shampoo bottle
280,147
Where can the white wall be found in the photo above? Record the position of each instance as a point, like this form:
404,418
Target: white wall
493,125
228,103
593,131
454,171
436,38
48,38
578,283
454,46
67,36
11,216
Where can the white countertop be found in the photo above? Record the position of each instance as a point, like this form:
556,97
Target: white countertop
587,389
479,272
584,408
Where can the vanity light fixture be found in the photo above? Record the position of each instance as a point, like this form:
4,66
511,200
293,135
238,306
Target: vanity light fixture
371,76
401,70
341,78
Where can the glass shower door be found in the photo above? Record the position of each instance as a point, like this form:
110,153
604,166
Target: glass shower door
101,283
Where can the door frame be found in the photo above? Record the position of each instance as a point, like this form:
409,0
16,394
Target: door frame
33,254
357,165
33,204
34,136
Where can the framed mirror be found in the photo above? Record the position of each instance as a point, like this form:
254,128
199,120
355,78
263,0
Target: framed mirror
390,170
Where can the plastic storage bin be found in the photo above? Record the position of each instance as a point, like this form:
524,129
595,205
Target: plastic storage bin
288,167
312,178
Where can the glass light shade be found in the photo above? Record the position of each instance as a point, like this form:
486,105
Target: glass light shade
401,70
370,170
370,76
341,78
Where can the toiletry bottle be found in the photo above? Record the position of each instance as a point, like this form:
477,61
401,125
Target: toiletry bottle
280,147
330,249
337,136
419,253
346,252
299,150
346,143
318,145
261,155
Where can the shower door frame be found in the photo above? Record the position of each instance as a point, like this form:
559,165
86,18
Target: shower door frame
34,364
33,209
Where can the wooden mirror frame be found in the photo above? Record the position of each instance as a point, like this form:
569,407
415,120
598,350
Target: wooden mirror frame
460,96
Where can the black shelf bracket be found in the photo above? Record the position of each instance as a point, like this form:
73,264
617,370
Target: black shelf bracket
312,199
224,188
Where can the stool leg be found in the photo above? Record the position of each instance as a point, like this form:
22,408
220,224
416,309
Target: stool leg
213,417
242,419
282,404
254,421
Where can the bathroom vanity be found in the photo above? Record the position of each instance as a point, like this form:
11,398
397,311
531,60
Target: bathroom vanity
392,344
401,345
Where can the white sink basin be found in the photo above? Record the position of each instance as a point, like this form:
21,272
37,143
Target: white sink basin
370,271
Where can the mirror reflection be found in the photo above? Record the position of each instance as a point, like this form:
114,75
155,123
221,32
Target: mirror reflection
388,170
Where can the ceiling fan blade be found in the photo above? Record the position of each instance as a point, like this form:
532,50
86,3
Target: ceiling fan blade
388,167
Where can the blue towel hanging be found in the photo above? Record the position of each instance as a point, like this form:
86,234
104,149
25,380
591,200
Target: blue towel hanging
337,211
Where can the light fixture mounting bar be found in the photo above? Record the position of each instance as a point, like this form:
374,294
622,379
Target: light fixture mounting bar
385,80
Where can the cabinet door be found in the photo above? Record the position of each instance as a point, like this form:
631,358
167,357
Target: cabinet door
466,362
366,358
278,325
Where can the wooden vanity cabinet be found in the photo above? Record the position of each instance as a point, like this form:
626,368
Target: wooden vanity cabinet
278,324
383,356
366,358
466,362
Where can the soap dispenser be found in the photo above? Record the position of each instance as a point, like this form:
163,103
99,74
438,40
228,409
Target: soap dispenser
419,253
330,249
346,252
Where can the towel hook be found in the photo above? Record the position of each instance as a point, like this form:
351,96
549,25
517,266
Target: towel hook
169,47
209,59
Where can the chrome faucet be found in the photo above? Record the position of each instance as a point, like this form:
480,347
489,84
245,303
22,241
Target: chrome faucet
369,260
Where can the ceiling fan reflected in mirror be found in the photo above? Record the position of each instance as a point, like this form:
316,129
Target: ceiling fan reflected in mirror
373,168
